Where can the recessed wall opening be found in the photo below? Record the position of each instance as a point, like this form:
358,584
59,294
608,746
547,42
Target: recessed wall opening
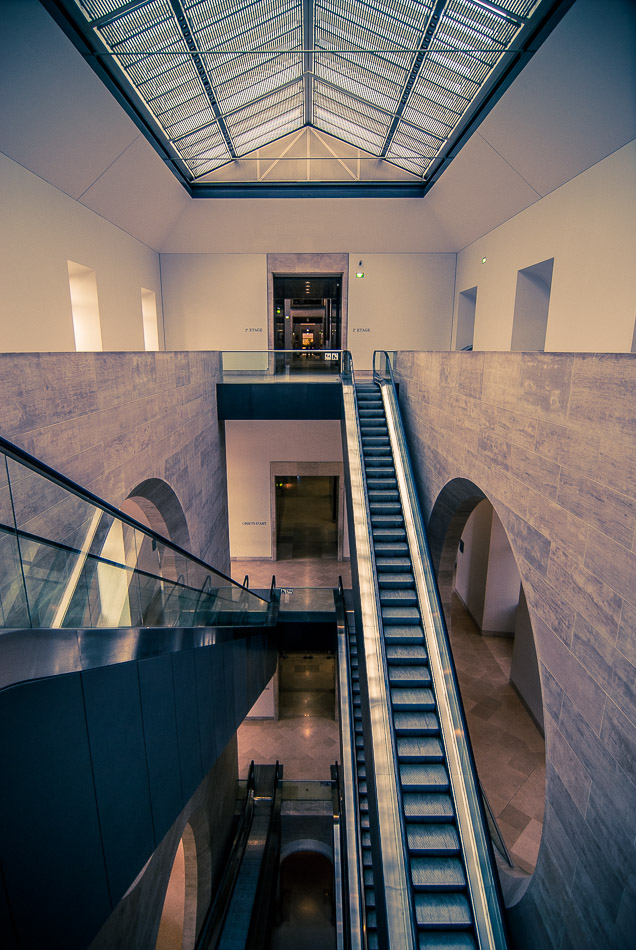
149,316
84,307
467,304
177,927
306,516
495,657
532,302
306,902
307,313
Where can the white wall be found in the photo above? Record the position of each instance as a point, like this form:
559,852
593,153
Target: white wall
219,302
404,302
587,226
250,447
502,584
472,562
43,229
215,301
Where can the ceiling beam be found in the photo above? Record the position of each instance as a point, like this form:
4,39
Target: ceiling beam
413,73
308,59
199,65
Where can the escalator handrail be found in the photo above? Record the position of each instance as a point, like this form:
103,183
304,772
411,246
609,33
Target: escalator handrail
399,908
471,813
353,870
18,454
217,911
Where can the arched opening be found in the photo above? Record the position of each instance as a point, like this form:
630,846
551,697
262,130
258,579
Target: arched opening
177,927
306,908
495,656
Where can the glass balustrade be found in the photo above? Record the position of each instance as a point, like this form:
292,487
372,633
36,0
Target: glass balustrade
68,559
279,366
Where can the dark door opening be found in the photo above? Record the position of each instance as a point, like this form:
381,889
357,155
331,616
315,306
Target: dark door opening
306,904
307,312
306,516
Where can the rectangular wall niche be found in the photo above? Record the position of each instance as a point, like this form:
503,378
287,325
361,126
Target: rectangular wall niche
149,313
532,302
466,307
85,307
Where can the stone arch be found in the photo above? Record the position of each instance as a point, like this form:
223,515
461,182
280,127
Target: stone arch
161,509
178,924
450,514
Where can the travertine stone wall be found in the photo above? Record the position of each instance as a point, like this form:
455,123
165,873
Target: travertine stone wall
110,421
550,439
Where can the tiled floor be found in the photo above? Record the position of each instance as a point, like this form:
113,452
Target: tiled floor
509,749
299,572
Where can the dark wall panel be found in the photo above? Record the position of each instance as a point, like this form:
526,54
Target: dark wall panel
205,706
160,734
49,831
185,700
113,715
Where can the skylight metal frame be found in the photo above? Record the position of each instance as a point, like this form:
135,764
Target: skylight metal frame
210,81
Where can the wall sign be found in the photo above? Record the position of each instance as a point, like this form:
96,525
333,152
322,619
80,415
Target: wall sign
253,329
362,329
259,524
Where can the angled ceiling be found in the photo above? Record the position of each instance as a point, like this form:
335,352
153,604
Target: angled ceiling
398,83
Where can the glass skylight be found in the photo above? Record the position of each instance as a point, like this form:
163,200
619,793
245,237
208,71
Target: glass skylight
216,79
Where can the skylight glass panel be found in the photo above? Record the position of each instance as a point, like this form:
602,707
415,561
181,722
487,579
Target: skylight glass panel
357,80
231,75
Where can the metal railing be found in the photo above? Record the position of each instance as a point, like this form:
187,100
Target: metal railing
71,559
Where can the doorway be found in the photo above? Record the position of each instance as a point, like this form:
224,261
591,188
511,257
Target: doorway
307,312
306,516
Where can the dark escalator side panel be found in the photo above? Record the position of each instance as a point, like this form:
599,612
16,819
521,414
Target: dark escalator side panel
439,895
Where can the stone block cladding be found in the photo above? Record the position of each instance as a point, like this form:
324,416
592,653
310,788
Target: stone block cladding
110,421
550,440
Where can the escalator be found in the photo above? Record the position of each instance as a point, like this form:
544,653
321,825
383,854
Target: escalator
239,917
426,861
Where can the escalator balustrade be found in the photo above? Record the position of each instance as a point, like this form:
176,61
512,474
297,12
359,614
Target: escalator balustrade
440,899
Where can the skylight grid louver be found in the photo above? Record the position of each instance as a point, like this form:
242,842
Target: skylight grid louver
161,95
345,35
257,83
265,109
207,141
357,80
373,22
239,32
135,34
187,117
159,73
268,132
355,88
500,24
468,67
427,122
416,141
419,105
439,73
98,8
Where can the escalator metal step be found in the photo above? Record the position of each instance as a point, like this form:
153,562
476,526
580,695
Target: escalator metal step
428,806
402,634
391,549
393,565
439,874
442,910
398,597
387,521
424,778
381,484
419,748
415,723
388,535
412,698
401,675
432,839
397,581
409,616
446,940
386,496
399,653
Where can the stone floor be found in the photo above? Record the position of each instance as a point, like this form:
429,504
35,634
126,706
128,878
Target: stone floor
509,749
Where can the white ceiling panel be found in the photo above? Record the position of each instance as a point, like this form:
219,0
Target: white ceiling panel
56,118
575,102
